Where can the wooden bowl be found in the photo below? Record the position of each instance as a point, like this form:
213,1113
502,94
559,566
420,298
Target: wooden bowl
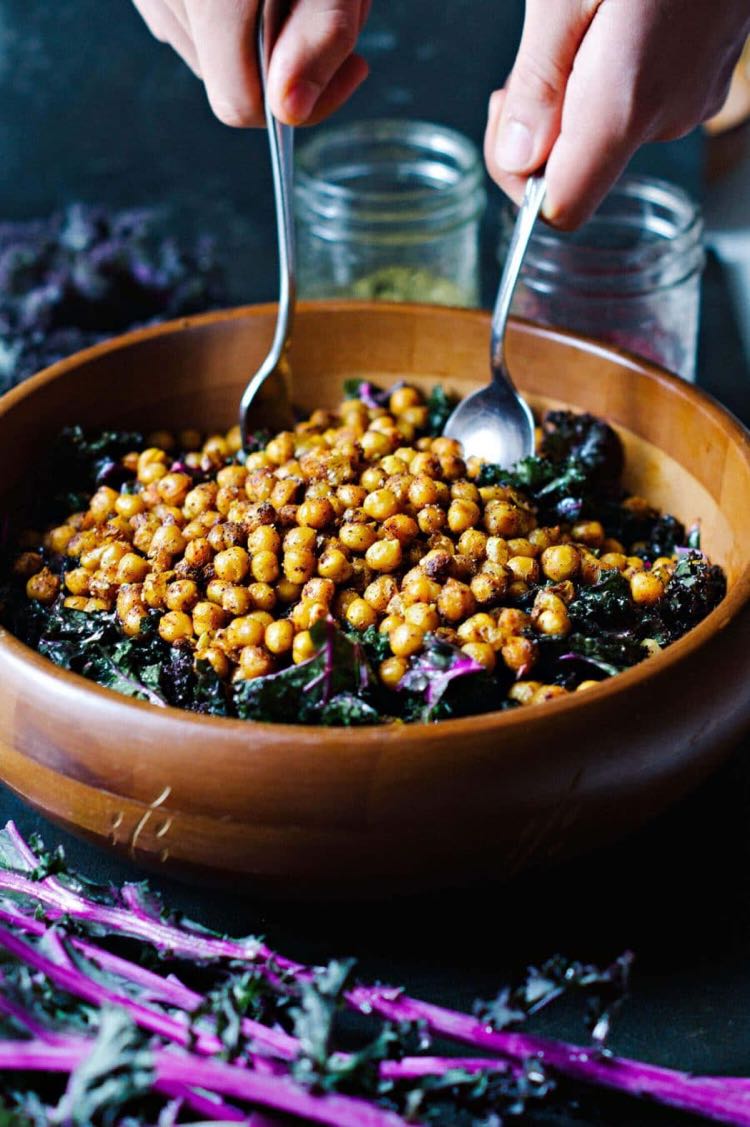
299,810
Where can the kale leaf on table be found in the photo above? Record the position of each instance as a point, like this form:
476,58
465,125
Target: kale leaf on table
84,274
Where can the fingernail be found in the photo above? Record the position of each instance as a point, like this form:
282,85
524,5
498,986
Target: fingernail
514,146
300,99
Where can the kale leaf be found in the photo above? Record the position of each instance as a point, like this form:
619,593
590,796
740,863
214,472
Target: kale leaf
580,464
430,691
332,687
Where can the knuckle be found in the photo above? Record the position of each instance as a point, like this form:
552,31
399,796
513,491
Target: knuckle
541,81
336,31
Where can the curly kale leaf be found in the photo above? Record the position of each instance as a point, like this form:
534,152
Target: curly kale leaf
332,688
580,463
584,439
603,989
606,605
694,590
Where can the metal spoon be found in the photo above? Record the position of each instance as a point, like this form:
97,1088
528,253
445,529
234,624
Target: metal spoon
495,423
281,142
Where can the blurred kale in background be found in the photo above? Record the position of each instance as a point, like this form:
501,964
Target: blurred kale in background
86,274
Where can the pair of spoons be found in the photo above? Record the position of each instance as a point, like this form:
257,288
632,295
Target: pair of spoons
493,423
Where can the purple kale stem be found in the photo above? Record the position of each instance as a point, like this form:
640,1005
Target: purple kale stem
713,1098
178,1071
216,1109
40,1055
413,1068
277,1093
726,1100
96,994
169,990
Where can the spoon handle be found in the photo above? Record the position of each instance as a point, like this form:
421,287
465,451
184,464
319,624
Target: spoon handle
533,198
281,143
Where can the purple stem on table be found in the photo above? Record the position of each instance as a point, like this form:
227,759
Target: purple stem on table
714,1098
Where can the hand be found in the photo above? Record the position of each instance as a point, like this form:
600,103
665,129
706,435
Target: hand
595,79
313,67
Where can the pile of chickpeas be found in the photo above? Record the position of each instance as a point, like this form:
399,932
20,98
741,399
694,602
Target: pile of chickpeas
356,514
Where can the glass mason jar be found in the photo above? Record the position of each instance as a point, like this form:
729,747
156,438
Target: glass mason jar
631,275
390,210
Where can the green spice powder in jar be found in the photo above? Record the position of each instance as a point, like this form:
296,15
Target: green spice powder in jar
391,211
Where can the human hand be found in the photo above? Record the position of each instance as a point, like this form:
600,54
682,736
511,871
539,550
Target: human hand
595,79
313,68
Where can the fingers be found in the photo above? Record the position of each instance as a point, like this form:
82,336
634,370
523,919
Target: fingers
526,125
310,66
168,24
313,67
345,81
224,38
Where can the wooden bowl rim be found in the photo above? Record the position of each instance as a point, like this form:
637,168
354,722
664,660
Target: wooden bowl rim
622,683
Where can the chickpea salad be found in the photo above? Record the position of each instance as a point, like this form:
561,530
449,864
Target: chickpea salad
354,570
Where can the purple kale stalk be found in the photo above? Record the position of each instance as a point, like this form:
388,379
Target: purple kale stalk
114,1029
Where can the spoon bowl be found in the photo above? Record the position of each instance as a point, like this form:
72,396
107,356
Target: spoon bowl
495,423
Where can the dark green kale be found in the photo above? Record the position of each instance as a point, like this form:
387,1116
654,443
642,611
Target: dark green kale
695,589
587,440
335,686
440,407
376,645
642,529
579,465
606,605
78,463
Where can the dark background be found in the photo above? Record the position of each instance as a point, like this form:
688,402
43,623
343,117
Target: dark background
92,108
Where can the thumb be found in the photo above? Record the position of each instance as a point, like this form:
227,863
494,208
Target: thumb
529,122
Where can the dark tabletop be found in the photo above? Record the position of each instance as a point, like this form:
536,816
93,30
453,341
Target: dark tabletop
91,108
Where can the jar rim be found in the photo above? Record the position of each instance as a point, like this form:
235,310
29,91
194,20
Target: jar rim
664,241
455,184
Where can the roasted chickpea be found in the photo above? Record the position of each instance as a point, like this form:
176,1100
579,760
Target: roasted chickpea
646,588
482,653
360,614
456,601
43,586
207,618
255,661
303,647
384,555
233,564
406,639
175,626
422,615
279,636
392,670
